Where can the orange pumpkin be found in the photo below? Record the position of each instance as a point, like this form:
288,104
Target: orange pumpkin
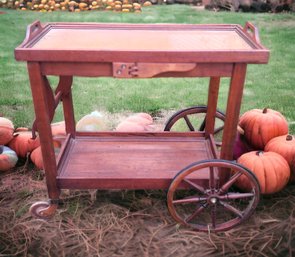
271,170
147,3
138,122
6,130
23,143
58,129
8,158
129,126
36,157
285,146
145,115
21,129
139,119
260,126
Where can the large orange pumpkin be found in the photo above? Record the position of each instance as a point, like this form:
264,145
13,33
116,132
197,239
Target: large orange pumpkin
271,170
23,143
285,146
6,130
8,158
260,126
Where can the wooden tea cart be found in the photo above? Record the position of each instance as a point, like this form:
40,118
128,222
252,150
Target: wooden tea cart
199,178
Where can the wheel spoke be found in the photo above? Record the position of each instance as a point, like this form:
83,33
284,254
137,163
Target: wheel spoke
212,179
218,144
230,182
188,123
190,200
213,215
217,130
202,127
196,212
194,185
233,196
201,113
232,209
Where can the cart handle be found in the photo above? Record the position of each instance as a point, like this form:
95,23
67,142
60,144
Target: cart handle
32,30
252,31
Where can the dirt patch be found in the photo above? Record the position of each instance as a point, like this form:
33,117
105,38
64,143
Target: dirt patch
130,223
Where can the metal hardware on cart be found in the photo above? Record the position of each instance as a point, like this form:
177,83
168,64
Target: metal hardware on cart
148,70
125,70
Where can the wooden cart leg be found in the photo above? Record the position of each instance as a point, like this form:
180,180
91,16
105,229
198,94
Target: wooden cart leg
232,113
65,84
50,105
38,88
212,105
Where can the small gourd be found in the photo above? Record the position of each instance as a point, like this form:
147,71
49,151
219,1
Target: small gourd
6,130
141,118
92,122
23,143
129,126
139,122
147,3
36,157
58,129
8,158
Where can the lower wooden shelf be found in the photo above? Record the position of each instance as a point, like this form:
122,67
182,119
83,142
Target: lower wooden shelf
144,161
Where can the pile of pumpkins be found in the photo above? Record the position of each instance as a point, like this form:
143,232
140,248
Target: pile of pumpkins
74,6
263,144
19,143
266,148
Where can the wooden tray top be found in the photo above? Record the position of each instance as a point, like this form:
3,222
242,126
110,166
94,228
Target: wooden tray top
93,42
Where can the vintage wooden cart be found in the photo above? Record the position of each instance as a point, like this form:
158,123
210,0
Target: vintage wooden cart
199,178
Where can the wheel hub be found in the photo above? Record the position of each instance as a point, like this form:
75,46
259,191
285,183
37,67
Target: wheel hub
212,200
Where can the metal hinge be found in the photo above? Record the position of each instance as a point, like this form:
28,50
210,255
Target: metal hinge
148,70
125,70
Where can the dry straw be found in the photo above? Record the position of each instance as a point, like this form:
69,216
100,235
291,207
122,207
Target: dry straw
131,223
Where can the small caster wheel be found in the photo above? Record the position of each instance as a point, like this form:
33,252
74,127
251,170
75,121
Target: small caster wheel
194,119
211,206
43,210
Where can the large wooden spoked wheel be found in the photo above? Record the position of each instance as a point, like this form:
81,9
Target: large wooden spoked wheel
216,207
194,119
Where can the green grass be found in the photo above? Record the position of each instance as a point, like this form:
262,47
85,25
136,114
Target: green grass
266,85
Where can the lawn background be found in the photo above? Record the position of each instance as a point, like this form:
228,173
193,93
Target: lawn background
266,85
137,223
